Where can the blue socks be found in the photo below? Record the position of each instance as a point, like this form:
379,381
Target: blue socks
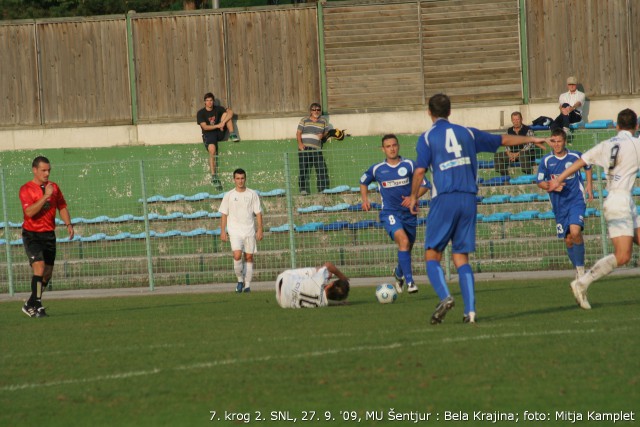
404,262
578,255
571,253
467,288
436,277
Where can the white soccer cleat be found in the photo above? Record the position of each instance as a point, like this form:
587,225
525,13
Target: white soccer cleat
399,281
469,318
412,288
580,294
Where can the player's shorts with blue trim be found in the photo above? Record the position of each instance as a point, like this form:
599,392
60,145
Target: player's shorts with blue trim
452,218
568,215
398,220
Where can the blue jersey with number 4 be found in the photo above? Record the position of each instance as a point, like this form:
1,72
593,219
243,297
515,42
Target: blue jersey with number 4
394,182
450,151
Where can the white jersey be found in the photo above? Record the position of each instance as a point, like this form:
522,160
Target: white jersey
241,209
572,98
620,158
302,288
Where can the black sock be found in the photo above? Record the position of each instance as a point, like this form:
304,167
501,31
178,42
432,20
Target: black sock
36,291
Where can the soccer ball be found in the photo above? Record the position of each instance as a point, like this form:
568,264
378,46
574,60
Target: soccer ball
386,293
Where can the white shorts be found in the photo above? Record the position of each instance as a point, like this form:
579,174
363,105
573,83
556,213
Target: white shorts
246,244
621,214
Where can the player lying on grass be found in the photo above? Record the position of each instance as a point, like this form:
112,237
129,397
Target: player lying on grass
311,287
567,201
620,157
394,177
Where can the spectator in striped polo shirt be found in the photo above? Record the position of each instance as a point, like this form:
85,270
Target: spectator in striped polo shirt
311,132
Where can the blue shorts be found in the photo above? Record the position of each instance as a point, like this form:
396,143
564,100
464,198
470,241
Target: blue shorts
398,220
452,218
570,215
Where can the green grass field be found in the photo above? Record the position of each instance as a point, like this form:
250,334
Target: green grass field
171,360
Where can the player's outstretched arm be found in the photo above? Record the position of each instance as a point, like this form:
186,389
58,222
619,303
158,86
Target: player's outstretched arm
418,176
555,183
364,193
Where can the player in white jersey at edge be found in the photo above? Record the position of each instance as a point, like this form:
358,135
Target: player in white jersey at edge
620,158
242,215
394,177
449,151
312,287
567,201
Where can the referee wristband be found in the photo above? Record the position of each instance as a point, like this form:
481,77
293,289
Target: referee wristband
69,225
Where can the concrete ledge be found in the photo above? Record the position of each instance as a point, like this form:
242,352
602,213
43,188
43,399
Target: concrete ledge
361,124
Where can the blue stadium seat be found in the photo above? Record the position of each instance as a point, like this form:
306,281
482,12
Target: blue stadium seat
360,225
312,226
215,232
599,124
337,208
94,237
525,215
337,225
591,212
338,189
524,198
272,193
497,217
496,199
170,233
196,215
635,191
543,197
538,127
309,209
574,126
281,228
119,236
523,179
486,164
421,221
196,232
122,218
197,197
547,215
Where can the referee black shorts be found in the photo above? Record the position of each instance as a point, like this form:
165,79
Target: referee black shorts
40,246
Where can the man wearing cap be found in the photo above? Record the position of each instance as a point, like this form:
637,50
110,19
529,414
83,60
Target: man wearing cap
570,104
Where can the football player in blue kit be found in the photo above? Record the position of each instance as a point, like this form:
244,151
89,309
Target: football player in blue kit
567,201
394,177
450,152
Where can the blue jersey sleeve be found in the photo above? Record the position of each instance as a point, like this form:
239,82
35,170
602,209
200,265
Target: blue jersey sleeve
542,170
424,153
367,177
486,142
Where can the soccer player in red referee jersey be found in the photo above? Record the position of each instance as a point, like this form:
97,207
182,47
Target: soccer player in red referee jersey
40,198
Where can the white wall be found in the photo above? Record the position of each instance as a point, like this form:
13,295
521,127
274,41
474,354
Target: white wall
409,122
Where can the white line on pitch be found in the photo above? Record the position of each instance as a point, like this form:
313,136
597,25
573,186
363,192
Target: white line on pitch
213,364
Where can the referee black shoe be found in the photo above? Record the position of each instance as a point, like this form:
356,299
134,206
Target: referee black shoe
29,310
41,313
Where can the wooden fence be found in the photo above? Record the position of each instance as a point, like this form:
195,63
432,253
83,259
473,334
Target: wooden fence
273,61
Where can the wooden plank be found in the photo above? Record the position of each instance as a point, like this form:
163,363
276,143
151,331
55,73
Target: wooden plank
19,83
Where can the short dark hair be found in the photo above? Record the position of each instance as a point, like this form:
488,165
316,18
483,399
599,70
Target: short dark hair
517,113
440,105
315,104
338,291
388,136
239,171
209,95
627,119
40,159
559,132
